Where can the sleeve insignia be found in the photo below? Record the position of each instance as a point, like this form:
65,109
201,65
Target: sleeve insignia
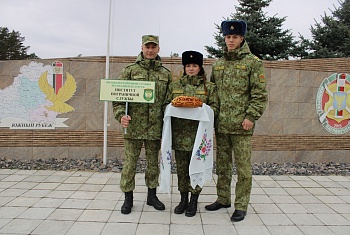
262,78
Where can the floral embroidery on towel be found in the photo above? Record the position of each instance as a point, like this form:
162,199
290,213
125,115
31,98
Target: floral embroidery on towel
204,148
168,158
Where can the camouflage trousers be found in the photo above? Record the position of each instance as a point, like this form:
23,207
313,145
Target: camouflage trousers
183,159
132,152
241,146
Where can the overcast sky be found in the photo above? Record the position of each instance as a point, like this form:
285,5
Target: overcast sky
67,28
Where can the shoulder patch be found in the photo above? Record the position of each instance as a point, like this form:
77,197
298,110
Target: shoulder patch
255,57
129,65
166,68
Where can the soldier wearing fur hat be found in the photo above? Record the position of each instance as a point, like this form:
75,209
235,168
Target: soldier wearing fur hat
143,122
240,80
192,83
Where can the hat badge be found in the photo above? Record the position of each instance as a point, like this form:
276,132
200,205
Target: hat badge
232,28
151,38
191,56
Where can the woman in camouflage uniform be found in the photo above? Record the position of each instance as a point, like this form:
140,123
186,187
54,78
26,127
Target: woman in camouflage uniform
192,83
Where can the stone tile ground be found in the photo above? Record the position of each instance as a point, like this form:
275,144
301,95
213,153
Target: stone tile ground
83,202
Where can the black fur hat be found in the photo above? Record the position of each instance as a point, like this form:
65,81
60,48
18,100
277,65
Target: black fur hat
234,27
192,57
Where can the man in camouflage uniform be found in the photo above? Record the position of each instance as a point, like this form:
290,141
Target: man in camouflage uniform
241,86
143,122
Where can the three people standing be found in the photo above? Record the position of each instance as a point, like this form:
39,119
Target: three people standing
236,93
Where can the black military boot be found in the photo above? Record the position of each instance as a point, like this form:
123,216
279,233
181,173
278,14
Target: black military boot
192,207
128,203
179,209
152,200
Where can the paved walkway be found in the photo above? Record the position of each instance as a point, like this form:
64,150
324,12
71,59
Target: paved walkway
73,202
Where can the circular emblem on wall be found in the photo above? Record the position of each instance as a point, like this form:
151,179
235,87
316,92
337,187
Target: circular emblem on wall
333,103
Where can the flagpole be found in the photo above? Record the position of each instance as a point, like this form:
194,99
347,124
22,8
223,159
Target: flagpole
105,117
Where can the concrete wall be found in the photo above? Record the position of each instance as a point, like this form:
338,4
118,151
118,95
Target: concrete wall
289,130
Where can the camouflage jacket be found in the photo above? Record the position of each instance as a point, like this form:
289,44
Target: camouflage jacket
184,130
146,119
240,80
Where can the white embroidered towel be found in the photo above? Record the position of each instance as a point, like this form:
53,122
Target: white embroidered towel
201,163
